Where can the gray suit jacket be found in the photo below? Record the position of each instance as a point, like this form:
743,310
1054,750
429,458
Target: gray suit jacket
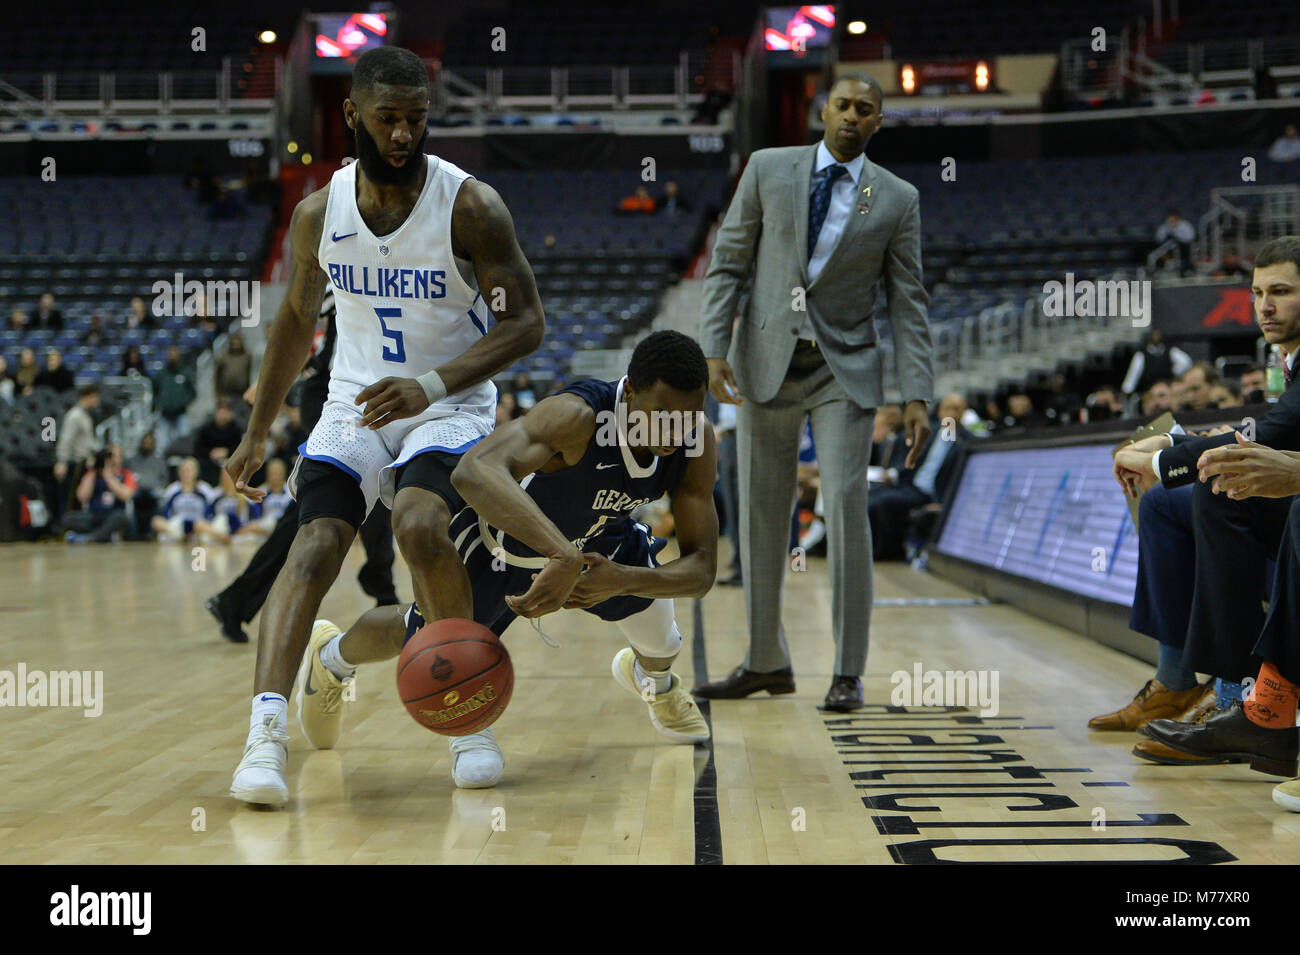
765,233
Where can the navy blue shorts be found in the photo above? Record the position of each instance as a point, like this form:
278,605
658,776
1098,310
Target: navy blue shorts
631,544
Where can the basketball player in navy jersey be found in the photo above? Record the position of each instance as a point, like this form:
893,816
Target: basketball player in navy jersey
548,524
407,242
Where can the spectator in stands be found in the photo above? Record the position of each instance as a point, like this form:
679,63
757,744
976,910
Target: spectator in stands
132,361
888,447
7,383
102,495
216,440
1154,361
94,336
889,507
672,201
18,320
47,316
264,514
77,444
151,475
233,371
187,507
1021,413
137,316
523,390
507,407
287,432
1182,232
1197,382
1286,148
26,372
1225,395
1254,382
173,393
1104,404
639,203
1157,399
1177,391
200,181
56,375
202,316
1265,85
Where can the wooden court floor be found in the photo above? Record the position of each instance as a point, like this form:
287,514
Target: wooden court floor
587,778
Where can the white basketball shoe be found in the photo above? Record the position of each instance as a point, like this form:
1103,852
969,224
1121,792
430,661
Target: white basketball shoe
259,778
476,760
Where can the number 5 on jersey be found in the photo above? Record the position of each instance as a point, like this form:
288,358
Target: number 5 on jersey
390,354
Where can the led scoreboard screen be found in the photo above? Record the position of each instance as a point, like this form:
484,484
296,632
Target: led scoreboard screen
1054,515
799,29
339,38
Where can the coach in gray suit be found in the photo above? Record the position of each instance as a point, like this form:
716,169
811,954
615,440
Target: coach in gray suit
817,227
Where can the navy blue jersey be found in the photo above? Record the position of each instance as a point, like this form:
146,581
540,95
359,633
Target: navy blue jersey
592,498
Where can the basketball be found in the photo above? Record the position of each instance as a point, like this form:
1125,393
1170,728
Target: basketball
455,677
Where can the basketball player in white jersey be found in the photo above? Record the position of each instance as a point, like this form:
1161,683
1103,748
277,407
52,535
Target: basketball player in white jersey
407,242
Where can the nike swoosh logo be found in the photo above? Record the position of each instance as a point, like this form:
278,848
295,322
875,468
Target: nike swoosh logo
336,236
265,698
601,467
307,681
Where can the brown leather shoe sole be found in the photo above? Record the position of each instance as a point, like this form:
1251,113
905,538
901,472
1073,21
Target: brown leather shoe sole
1149,749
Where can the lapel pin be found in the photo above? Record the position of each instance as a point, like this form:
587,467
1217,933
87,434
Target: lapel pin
863,208
867,192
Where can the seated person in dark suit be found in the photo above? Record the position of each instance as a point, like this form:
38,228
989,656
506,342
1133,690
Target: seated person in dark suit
1234,539
889,506
1261,729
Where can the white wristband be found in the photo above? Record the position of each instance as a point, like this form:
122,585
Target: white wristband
433,387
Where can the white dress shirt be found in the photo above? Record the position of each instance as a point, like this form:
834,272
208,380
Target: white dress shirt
843,195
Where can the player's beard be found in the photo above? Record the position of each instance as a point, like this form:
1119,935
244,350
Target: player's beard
379,171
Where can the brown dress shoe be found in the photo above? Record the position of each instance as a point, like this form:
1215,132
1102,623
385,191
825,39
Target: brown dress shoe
1154,701
740,683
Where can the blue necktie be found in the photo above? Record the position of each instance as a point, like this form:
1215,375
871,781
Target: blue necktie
821,203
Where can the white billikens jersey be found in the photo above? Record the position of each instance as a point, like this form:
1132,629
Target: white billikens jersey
402,305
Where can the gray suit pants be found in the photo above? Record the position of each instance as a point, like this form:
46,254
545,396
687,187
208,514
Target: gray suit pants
768,453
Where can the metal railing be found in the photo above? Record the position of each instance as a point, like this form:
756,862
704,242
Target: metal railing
487,90
107,93
1176,67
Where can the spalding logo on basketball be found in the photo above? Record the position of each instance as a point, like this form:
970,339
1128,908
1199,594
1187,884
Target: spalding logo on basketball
465,688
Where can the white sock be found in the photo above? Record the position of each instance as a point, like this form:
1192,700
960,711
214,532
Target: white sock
269,704
662,679
333,659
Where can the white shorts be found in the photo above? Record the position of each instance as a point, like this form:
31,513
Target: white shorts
371,458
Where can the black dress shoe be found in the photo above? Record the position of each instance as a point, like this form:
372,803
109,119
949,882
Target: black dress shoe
1230,733
739,683
228,618
845,695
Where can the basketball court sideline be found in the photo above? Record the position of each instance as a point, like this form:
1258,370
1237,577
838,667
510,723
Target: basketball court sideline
587,778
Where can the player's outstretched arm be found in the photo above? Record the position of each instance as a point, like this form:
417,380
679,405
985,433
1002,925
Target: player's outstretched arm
288,340
488,477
